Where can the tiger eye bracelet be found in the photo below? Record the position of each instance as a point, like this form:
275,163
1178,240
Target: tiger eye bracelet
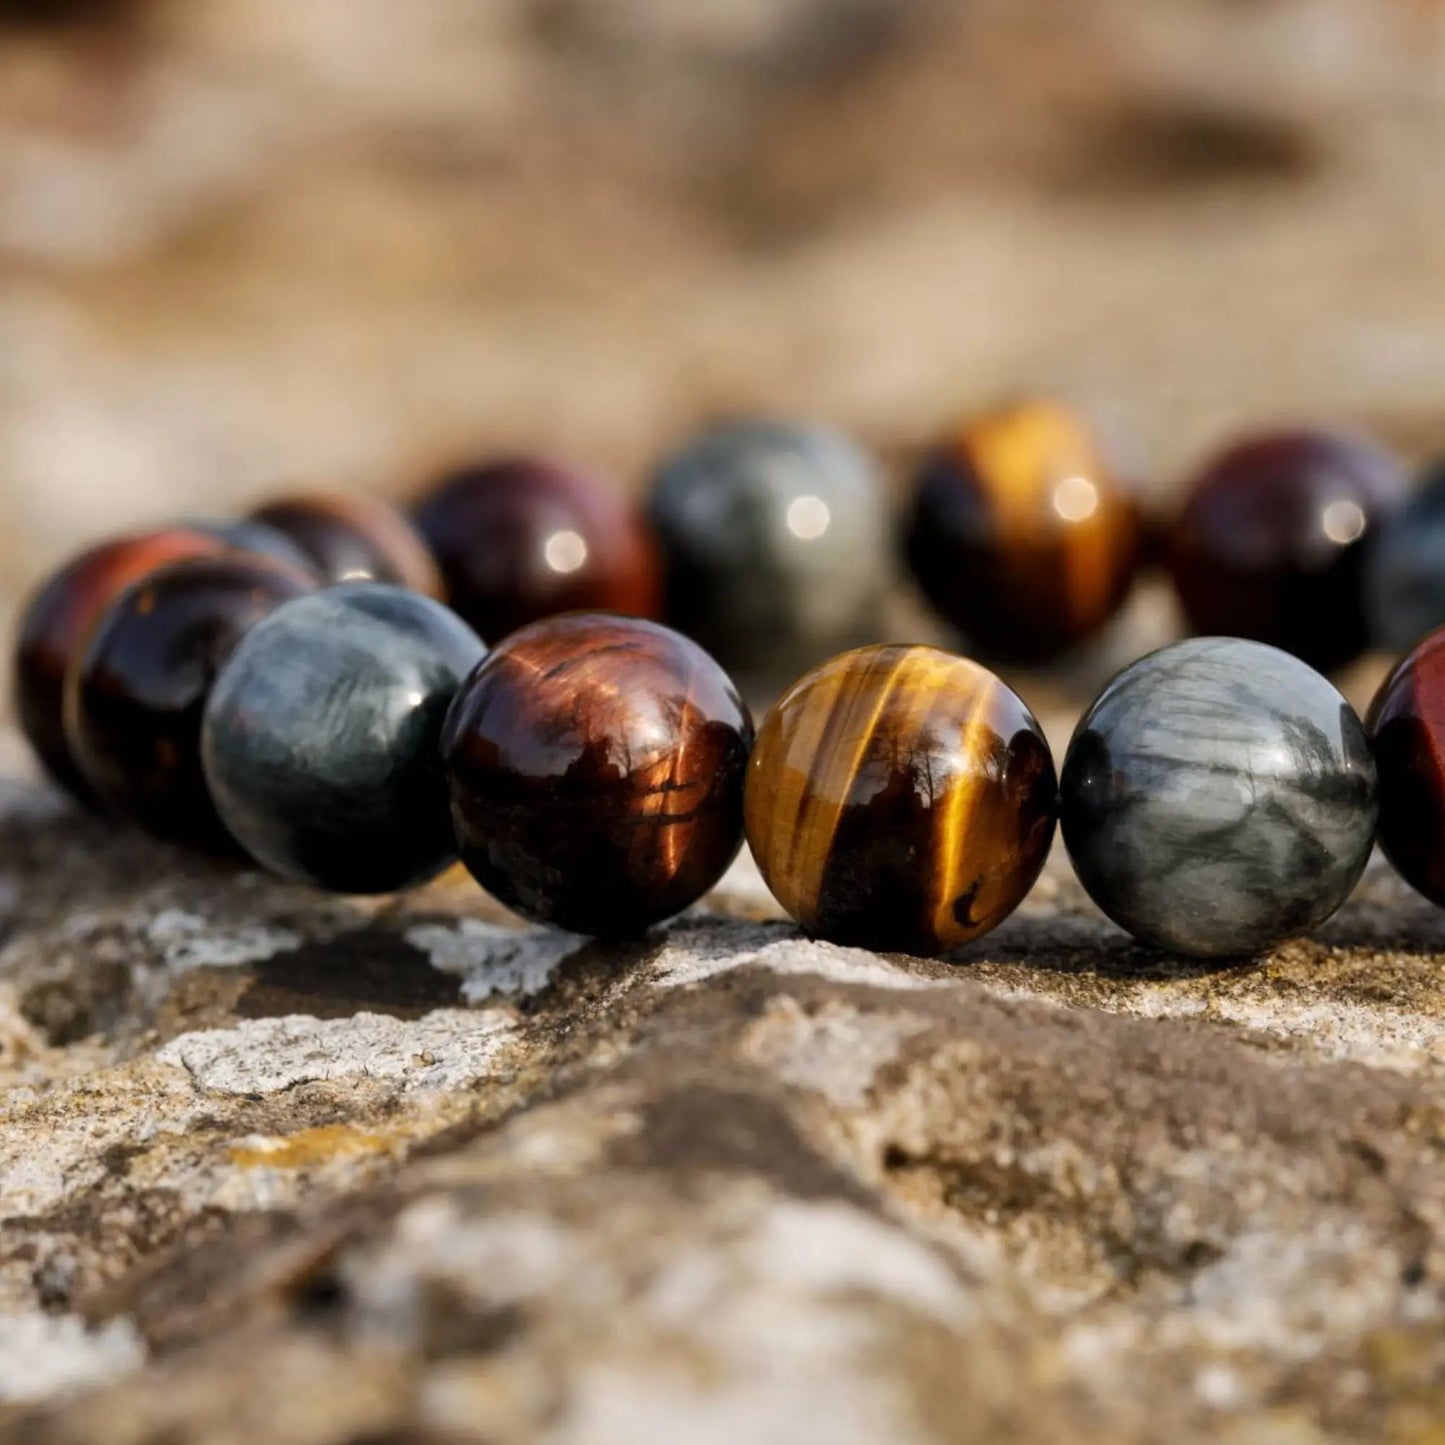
291,689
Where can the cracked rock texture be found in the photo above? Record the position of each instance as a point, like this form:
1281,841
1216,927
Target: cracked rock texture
320,1173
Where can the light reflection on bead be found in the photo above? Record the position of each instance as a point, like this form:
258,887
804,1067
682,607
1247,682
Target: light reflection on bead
809,518
565,552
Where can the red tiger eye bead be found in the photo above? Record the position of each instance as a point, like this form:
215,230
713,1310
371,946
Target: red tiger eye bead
355,538
1272,539
1406,725
57,621
596,772
135,696
520,540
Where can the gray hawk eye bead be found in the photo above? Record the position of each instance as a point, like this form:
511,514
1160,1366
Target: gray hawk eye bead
322,737
778,544
1219,797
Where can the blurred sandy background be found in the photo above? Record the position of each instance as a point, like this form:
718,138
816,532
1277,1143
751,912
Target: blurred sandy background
244,242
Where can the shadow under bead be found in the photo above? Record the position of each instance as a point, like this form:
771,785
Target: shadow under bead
134,699
596,772
1022,534
900,798
776,544
1407,732
1219,798
58,619
322,737
1272,540
520,540
353,538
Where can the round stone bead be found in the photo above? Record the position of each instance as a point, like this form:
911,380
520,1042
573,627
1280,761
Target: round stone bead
596,772
135,696
1405,569
59,617
1023,534
521,540
322,737
900,798
355,538
1407,731
1218,798
1272,539
775,542
258,538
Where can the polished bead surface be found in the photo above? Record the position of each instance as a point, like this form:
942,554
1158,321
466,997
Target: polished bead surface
1407,731
1023,534
355,538
520,540
1218,798
56,621
900,798
596,772
257,537
1272,540
1405,569
322,737
135,697
775,541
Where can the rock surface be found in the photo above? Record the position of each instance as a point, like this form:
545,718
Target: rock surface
313,1172
305,1170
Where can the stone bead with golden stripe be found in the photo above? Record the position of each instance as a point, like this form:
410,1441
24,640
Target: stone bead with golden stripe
900,798
1023,534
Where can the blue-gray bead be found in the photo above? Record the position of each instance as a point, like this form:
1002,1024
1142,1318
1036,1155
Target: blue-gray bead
777,541
1405,570
321,740
254,537
1219,797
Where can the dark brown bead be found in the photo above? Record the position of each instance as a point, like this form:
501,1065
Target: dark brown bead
520,540
1023,534
596,773
900,798
1272,538
135,696
355,539
1406,724
59,617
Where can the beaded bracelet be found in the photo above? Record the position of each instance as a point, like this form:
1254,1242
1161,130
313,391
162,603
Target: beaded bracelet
596,772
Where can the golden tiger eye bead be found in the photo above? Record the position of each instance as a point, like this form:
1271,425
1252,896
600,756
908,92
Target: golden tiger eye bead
1023,535
900,798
